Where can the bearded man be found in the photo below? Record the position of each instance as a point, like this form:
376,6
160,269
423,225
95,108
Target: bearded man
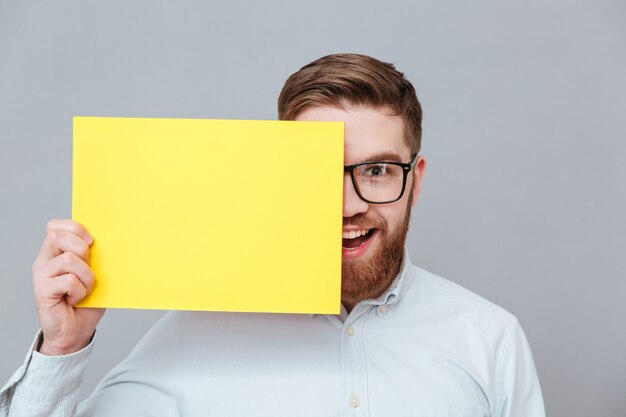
407,342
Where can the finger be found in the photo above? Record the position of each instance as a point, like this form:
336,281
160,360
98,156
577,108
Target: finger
58,241
67,263
71,226
68,286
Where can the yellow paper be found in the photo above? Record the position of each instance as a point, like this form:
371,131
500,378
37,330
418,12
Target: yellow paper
222,215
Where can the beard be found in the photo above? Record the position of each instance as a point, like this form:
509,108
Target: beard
369,278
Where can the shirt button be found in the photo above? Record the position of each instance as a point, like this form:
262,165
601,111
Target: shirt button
350,331
382,309
355,401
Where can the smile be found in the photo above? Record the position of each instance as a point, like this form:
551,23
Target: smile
356,241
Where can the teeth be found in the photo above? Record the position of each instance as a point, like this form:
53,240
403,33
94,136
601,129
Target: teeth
354,233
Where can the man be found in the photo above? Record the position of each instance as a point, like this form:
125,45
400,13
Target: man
407,343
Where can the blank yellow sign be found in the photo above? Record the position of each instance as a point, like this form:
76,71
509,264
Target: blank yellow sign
223,215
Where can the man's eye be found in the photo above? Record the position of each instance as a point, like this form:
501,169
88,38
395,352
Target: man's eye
376,170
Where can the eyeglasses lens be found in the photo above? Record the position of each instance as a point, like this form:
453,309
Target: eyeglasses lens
379,182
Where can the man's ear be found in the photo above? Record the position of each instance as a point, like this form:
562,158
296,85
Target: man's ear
418,175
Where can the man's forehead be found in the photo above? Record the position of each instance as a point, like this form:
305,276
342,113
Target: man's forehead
368,143
371,133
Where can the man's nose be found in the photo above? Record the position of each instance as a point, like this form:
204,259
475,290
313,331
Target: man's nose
352,203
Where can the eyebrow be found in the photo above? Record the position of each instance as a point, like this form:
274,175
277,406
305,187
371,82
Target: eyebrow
383,157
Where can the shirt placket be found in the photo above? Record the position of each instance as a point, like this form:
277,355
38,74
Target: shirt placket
354,373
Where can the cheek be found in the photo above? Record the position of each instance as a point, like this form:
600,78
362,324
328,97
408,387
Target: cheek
393,214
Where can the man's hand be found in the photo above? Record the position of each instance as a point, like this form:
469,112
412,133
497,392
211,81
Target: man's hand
61,278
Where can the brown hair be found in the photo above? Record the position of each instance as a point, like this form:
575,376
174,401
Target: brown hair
356,79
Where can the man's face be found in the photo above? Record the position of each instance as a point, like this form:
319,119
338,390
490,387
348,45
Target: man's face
371,261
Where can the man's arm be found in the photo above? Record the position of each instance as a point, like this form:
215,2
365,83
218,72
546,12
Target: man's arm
48,381
45,385
145,383
520,385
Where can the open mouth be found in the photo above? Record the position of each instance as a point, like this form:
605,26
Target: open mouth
356,238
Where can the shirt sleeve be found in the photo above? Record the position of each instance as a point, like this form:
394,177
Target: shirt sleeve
45,385
521,390
146,382
141,385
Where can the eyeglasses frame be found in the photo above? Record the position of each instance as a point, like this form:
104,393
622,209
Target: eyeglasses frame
406,168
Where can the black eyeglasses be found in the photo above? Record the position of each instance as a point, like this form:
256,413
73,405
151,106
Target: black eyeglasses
380,182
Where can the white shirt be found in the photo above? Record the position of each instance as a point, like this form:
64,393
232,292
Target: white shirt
427,347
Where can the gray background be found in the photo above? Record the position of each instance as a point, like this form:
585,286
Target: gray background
524,195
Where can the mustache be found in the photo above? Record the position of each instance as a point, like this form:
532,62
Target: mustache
361,220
